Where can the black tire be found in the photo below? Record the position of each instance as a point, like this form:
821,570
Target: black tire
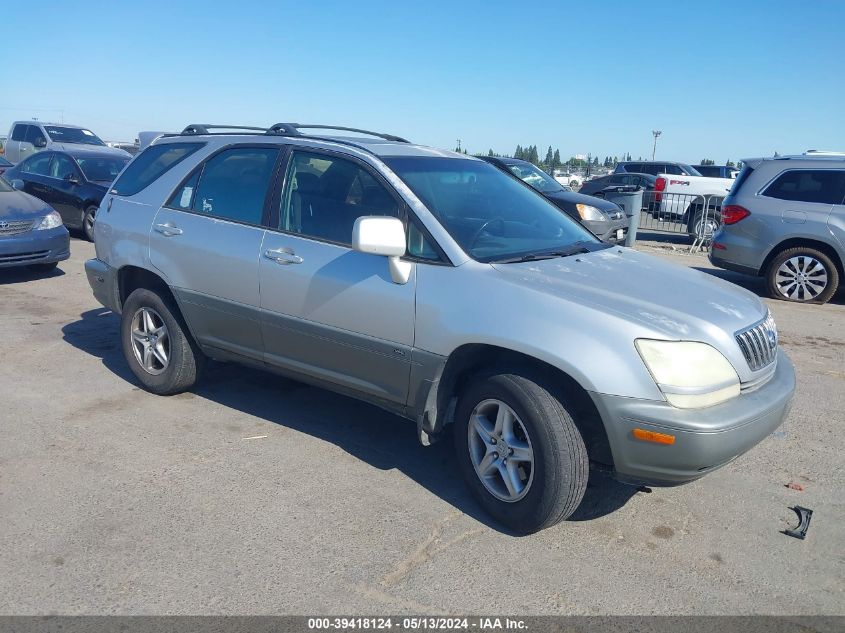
782,292
44,268
185,358
697,217
88,222
560,466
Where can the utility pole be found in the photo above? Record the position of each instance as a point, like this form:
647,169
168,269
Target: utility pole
654,147
459,146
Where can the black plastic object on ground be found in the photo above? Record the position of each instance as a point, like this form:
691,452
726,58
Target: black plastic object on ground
804,516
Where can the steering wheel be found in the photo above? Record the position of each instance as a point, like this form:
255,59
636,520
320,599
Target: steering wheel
482,229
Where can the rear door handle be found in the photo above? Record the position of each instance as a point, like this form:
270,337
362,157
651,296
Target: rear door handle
283,256
168,229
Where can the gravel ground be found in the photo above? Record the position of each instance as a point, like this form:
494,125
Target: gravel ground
256,494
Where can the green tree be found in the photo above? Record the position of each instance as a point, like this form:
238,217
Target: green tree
707,161
490,152
518,152
730,163
550,158
556,159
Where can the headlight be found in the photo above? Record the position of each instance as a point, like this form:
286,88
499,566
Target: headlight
49,221
588,212
690,375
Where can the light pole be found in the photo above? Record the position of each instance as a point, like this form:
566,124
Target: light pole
654,147
459,145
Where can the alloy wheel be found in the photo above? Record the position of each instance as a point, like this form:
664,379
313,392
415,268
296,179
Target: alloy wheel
150,341
801,278
500,450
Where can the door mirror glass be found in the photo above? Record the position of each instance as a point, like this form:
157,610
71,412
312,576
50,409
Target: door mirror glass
40,142
17,183
71,178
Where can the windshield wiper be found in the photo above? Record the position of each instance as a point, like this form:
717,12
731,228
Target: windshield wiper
576,249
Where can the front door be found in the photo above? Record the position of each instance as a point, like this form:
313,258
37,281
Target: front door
206,241
329,311
65,190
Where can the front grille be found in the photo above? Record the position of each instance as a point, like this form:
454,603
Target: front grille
15,228
22,257
759,343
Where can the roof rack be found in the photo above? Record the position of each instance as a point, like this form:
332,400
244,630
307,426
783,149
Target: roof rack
294,129
204,128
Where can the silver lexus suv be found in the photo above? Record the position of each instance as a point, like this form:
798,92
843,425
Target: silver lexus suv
436,286
784,220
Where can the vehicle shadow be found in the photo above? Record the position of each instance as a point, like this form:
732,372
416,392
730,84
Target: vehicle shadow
374,436
757,285
23,274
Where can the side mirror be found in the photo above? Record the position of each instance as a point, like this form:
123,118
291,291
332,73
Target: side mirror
17,183
40,142
71,178
380,235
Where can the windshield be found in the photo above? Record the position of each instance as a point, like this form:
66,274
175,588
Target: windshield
535,177
4,162
491,215
72,135
5,186
101,168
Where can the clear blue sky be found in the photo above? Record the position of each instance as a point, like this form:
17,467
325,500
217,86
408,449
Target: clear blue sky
721,79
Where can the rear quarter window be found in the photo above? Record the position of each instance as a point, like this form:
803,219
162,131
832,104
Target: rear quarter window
825,186
149,165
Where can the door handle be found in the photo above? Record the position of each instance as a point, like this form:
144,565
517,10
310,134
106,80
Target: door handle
168,229
283,256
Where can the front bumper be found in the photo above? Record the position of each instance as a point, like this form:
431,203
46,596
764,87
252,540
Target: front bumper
606,231
103,281
35,247
706,439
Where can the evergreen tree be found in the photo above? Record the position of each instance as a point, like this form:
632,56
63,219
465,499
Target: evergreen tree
550,157
518,152
556,159
490,152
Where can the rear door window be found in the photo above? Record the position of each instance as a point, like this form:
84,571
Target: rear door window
150,165
233,184
19,133
825,186
38,164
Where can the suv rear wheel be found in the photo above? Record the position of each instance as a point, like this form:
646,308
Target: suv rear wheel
803,275
520,451
156,344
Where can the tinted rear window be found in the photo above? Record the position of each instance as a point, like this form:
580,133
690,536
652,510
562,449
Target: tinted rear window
19,132
150,164
825,186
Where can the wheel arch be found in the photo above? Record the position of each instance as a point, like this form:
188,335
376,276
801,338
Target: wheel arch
130,278
471,360
797,242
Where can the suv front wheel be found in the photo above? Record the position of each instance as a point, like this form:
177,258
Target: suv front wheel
156,344
520,451
803,275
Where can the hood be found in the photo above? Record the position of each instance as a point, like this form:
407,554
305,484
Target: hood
17,205
571,198
672,301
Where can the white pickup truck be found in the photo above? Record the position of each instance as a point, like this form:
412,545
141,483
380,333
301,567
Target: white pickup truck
695,201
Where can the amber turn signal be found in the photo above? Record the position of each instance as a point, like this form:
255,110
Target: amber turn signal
651,436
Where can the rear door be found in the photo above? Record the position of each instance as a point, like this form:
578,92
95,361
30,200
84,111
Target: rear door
13,145
206,242
329,311
35,173
63,189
